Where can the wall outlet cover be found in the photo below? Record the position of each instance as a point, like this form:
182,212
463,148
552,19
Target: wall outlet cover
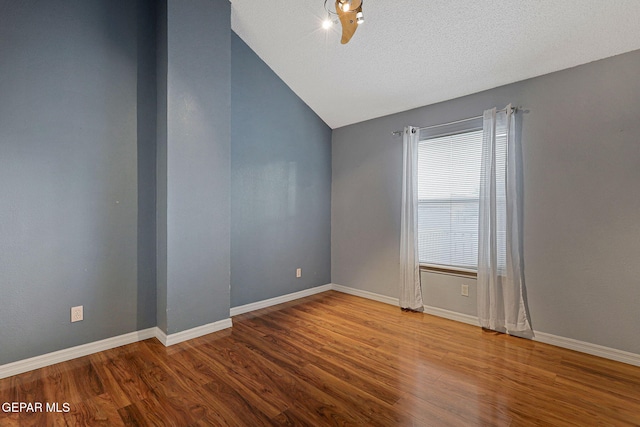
464,290
77,314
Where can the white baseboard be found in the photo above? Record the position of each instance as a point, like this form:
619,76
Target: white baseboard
48,359
585,347
26,365
569,343
241,309
452,315
178,337
66,354
365,294
440,312
32,363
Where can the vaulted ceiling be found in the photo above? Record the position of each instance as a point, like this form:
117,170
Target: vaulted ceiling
411,53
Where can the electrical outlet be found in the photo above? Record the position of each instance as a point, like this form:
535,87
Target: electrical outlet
76,314
298,272
464,290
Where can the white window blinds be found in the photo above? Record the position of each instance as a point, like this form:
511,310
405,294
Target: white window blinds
449,160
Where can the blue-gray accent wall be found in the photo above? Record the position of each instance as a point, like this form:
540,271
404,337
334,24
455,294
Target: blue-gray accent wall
147,122
161,165
77,139
280,185
196,256
115,173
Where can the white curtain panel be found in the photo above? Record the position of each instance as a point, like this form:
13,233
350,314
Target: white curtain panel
501,305
410,291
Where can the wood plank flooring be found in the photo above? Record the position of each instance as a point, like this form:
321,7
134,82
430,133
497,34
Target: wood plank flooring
333,359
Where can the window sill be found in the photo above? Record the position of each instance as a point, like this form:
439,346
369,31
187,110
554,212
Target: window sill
453,271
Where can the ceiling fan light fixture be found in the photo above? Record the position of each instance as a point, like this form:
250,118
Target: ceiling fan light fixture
347,13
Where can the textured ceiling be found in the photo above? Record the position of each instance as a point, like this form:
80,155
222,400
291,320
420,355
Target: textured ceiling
412,53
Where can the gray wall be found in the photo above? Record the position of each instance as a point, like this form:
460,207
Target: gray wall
195,256
72,128
581,151
280,187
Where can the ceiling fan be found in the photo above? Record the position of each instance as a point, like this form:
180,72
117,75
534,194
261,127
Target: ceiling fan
349,12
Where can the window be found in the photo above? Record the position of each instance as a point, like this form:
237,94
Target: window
449,162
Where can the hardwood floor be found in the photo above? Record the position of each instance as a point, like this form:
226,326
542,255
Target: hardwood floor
333,359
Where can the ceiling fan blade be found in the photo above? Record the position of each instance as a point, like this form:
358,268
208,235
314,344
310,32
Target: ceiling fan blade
348,19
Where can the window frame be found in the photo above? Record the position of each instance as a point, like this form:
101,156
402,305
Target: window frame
450,129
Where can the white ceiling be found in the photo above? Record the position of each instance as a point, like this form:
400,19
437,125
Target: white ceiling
411,53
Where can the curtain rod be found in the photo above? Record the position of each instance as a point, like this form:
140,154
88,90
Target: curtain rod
399,132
